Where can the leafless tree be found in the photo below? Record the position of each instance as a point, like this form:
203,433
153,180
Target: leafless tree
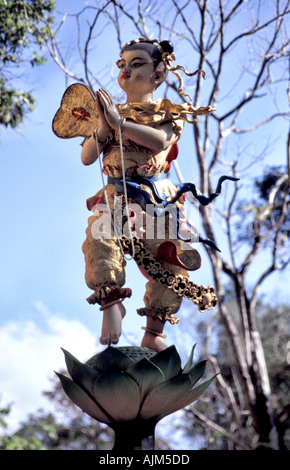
242,46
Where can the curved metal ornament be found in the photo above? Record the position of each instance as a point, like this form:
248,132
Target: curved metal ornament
78,114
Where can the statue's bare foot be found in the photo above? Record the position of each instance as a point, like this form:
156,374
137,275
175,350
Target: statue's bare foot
152,341
153,337
112,324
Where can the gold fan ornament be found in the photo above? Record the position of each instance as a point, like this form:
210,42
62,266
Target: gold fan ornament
78,115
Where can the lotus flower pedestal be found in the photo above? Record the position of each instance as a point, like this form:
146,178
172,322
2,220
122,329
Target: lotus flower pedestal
132,388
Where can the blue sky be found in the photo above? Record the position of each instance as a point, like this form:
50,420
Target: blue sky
43,188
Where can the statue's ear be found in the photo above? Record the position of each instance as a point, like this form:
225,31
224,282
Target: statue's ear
159,74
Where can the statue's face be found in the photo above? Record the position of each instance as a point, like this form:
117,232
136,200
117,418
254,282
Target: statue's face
136,71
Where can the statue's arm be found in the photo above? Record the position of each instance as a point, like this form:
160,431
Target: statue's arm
156,138
89,152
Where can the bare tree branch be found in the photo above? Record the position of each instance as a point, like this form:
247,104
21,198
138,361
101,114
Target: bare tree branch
216,428
259,124
257,28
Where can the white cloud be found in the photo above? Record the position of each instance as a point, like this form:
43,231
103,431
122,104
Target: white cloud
30,354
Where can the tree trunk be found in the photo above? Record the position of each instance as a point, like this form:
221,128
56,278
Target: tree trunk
249,354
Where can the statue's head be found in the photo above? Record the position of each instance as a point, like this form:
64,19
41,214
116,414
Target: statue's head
160,53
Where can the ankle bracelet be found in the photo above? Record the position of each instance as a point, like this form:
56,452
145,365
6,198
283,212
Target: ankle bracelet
110,304
153,332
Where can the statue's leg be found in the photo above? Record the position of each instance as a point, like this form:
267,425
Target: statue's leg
161,304
105,274
112,323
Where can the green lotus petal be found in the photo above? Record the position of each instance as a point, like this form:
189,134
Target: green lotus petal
168,361
146,374
81,399
197,371
188,365
171,397
110,359
119,394
189,398
163,397
82,374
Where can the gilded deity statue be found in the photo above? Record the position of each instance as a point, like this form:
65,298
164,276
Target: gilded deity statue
138,142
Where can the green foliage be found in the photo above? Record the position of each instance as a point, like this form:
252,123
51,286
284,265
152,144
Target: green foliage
24,28
258,218
14,105
264,186
15,441
67,429
18,443
3,413
43,431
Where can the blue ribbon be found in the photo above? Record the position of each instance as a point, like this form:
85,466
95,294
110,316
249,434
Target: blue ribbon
143,198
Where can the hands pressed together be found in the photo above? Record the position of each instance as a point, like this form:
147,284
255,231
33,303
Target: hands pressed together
110,116
156,139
